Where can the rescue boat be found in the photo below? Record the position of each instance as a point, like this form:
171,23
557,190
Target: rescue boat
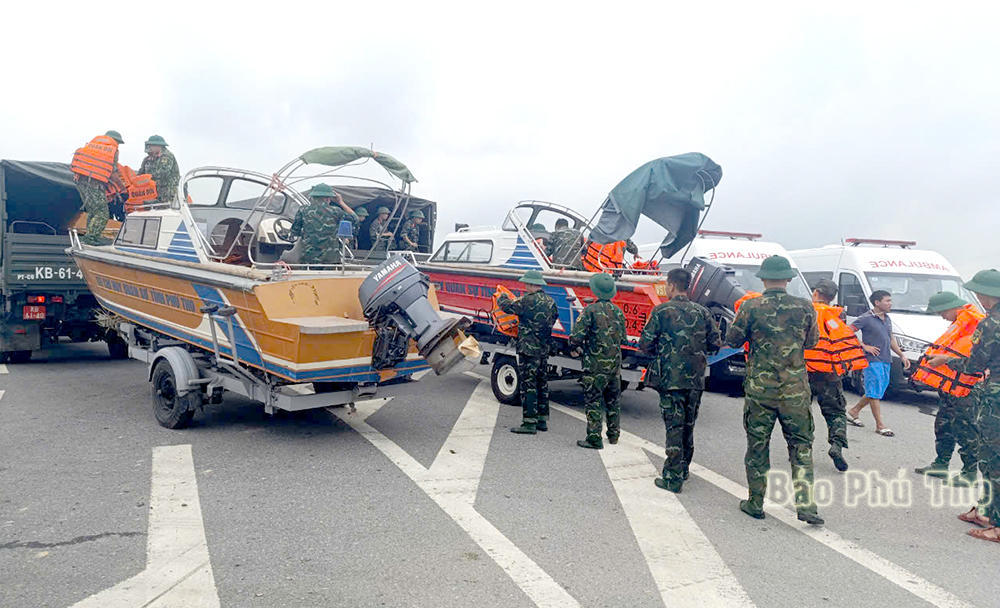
283,323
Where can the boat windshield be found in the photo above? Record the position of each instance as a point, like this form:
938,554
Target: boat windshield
911,292
746,277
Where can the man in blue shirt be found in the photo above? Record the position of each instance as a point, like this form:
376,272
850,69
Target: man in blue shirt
879,344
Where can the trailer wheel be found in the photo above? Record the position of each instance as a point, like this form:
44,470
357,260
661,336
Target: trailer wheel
505,381
172,411
117,348
19,356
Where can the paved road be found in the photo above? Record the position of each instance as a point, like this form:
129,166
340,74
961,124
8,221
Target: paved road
427,500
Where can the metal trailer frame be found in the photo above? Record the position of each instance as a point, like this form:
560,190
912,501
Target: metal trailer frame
207,375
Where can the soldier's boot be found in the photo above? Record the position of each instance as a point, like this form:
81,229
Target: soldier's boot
612,439
755,511
811,517
529,420
597,445
966,478
838,458
934,469
542,424
526,428
672,486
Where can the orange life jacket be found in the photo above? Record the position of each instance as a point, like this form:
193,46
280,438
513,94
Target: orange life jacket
505,322
750,295
956,342
127,175
651,265
838,351
141,190
96,160
599,258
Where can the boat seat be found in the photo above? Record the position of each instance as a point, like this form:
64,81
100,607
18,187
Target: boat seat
292,256
325,325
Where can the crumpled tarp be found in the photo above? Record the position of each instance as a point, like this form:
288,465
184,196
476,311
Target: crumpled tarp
40,192
669,190
336,156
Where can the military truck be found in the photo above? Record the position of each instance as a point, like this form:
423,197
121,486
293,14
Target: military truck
43,295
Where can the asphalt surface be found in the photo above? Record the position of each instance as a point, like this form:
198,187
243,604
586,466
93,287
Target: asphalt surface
303,510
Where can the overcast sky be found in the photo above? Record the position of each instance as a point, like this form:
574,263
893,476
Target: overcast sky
868,119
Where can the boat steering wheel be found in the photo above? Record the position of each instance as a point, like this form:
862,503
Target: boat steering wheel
283,228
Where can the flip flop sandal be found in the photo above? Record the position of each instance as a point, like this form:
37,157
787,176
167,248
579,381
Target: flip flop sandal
885,432
981,534
972,517
855,421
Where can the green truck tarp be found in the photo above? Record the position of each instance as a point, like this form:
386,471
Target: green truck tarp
40,192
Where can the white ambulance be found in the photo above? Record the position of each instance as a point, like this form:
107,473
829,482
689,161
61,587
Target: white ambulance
742,251
863,266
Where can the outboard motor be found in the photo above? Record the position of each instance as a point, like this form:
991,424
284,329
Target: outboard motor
715,286
394,299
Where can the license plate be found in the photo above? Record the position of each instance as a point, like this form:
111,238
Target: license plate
34,312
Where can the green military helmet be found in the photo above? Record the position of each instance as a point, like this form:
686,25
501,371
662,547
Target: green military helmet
533,277
361,212
417,214
776,268
944,300
381,210
115,135
985,282
538,228
156,140
603,286
322,191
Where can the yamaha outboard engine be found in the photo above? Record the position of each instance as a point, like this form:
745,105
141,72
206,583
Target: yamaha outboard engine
394,299
713,284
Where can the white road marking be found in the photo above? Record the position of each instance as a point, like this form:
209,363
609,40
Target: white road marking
3,368
686,567
907,580
453,480
178,570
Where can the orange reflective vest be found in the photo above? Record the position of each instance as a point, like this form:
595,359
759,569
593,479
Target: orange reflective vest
599,258
141,190
504,322
96,160
750,295
838,351
956,342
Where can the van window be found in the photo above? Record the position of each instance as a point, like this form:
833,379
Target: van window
469,252
851,292
140,232
911,292
814,277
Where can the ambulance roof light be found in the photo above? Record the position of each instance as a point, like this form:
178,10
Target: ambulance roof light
733,235
883,242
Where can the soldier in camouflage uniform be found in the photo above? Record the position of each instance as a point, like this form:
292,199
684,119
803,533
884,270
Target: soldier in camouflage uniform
680,334
536,314
94,195
955,421
317,224
378,230
565,246
161,165
362,213
599,332
778,328
409,234
985,357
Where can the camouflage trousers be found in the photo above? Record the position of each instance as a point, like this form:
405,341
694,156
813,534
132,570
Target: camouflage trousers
321,255
955,422
600,394
95,204
795,417
988,423
533,374
679,409
829,393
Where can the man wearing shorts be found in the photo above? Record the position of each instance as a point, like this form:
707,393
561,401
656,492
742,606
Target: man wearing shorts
879,344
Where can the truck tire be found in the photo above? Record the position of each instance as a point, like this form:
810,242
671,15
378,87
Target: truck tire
117,348
172,411
505,380
19,356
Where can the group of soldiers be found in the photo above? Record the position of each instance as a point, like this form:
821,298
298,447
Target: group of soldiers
317,226
97,175
566,248
779,332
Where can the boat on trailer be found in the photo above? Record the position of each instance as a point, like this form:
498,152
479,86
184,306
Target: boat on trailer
290,336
